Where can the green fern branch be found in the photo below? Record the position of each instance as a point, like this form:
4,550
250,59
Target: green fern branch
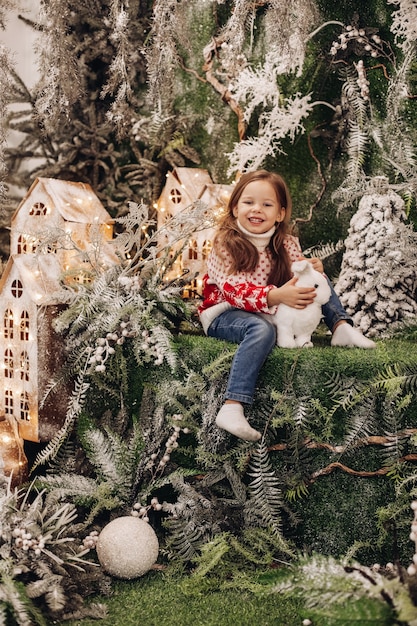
265,494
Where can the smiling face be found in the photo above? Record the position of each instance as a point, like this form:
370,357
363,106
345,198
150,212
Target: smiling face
258,208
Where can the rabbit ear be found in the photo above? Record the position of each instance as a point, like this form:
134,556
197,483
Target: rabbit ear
299,266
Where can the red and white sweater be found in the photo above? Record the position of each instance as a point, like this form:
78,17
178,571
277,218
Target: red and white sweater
248,291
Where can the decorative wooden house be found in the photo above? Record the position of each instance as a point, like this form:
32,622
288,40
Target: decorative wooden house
77,230
185,185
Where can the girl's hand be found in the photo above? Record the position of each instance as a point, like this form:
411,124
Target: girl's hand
291,295
317,264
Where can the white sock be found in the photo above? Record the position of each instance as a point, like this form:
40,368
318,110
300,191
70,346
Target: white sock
346,335
231,418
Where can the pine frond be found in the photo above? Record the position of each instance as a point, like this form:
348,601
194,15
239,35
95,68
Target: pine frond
50,587
102,451
15,601
324,251
361,424
75,405
236,483
256,546
328,586
168,479
396,377
211,553
68,487
65,460
356,147
184,540
265,501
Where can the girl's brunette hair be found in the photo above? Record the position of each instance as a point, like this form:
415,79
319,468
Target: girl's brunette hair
244,254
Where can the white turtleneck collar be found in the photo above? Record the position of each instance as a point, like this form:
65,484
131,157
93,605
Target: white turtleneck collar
259,241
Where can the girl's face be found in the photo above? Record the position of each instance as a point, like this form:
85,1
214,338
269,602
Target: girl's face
258,208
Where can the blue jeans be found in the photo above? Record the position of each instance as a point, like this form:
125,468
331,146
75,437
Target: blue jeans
333,310
256,338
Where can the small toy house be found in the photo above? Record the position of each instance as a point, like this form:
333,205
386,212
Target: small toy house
78,230
183,186
72,216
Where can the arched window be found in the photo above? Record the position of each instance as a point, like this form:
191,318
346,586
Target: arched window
24,366
25,244
24,326
193,250
17,288
8,324
175,196
8,402
205,250
39,208
8,364
24,407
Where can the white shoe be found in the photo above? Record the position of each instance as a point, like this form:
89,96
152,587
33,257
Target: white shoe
231,418
347,336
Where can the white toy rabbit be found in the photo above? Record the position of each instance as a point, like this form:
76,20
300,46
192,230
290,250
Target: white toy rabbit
295,326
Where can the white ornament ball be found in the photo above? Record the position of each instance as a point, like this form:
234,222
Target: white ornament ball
127,547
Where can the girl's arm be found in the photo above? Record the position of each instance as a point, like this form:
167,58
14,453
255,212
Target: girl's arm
291,295
241,290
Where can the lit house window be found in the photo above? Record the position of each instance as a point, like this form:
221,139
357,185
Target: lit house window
39,208
17,288
8,363
24,366
8,324
24,326
8,402
205,251
24,407
25,244
193,250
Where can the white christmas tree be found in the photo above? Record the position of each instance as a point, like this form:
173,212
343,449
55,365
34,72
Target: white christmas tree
378,278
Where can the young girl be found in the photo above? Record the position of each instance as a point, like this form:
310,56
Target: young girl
248,272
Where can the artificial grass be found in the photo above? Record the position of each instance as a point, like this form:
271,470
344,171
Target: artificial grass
159,600
156,600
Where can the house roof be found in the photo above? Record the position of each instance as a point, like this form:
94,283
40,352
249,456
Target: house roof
194,179
76,202
39,275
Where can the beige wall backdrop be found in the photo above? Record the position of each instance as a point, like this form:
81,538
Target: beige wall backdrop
20,38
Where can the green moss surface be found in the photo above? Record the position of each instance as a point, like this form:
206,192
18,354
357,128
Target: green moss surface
337,510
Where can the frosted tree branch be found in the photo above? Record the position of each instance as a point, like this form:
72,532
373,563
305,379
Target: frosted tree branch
59,83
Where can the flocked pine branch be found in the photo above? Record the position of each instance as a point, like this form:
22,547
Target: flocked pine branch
162,54
132,301
404,22
328,585
59,85
38,538
75,406
5,99
121,72
280,122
